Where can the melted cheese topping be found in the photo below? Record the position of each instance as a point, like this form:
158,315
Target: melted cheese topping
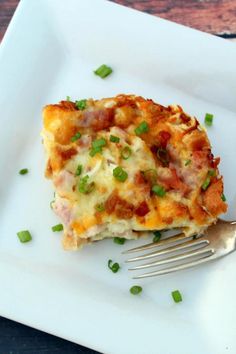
174,149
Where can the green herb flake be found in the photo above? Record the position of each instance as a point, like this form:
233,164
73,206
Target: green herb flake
100,207
126,153
158,190
114,139
223,197
157,236
120,174
119,240
81,105
206,183
103,71
136,289
79,170
97,146
209,119
23,171
24,236
68,98
84,186
76,137
114,267
188,162
58,227
176,295
142,128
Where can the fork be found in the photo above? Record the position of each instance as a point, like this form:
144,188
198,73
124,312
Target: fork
185,252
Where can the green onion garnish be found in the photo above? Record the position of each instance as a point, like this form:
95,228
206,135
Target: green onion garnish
119,240
187,162
99,143
209,119
212,173
97,146
76,137
150,176
142,128
120,174
51,203
68,98
126,152
136,289
177,297
103,71
223,197
114,139
79,170
23,171
94,151
84,186
113,267
81,105
158,190
58,227
163,156
24,236
100,207
157,236
206,183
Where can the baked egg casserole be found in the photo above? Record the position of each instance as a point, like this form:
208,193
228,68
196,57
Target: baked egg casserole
126,165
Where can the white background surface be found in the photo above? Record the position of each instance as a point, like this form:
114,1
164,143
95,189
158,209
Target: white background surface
50,51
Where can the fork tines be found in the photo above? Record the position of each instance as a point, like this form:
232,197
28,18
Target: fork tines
184,251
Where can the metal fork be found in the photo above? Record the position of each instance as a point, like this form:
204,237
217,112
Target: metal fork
180,252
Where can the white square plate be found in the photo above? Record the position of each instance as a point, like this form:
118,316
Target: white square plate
50,51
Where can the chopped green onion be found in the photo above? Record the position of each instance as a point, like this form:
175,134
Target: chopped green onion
150,176
187,162
113,267
24,236
100,207
136,289
23,171
163,156
103,71
120,174
94,151
209,119
142,128
79,170
158,190
51,203
76,137
68,98
114,139
212,173
84,186
177,297
119,240
157,236
99,143
206,183
223,197
81,105
97,146
126,152
58,227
